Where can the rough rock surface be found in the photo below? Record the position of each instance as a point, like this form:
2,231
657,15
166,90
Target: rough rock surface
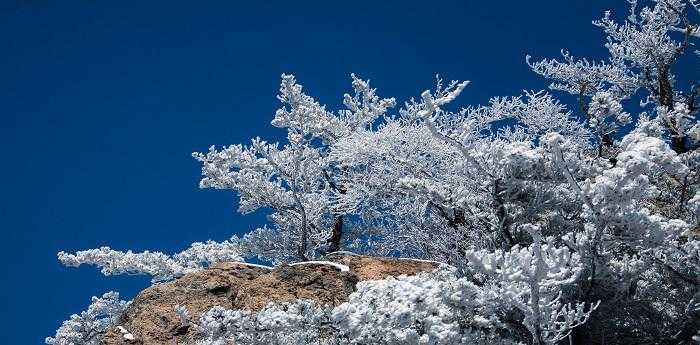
151,317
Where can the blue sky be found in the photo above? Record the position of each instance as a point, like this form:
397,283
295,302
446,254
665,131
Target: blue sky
101,104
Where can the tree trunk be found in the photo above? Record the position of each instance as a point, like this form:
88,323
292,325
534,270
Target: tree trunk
337,235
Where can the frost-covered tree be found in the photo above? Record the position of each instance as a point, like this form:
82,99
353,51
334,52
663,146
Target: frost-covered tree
643,53
563,222
296,182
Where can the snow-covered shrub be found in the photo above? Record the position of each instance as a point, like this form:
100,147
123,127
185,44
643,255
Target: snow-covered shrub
531,279
301,322
428,308
89,327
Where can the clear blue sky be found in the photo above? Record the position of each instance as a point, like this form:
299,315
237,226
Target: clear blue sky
102,102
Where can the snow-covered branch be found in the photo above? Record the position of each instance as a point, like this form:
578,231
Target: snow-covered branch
156,264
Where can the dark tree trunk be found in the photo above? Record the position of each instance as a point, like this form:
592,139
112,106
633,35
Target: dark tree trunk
337,235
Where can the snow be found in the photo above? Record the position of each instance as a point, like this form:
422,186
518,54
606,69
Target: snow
428,261
343,252
349,253
126,334
340,267
254,265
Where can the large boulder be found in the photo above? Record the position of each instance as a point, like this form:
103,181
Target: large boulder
151,317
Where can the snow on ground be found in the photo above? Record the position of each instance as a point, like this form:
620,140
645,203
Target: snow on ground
340,267
255,265
423,260
344,252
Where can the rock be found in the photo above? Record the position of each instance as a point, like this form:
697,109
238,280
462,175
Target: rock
151,317
376,268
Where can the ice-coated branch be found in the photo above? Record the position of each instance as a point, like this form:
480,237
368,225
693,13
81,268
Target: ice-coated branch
432,105
160,266
584,77
531,279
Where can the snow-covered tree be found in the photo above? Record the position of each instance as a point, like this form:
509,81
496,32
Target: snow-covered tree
297,181
643,49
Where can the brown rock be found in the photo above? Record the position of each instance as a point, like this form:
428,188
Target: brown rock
375,268
151,317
